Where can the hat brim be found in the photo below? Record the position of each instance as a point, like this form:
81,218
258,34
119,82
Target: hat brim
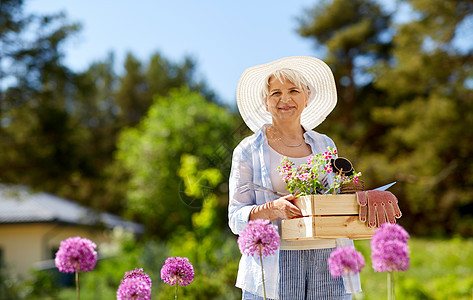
322,100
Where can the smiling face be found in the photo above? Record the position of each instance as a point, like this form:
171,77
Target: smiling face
285,100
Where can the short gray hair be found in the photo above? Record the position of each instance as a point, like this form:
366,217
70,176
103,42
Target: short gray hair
286,74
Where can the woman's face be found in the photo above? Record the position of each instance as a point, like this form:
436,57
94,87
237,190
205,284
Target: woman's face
285,101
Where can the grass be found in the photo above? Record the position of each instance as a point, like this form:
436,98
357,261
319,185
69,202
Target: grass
439,269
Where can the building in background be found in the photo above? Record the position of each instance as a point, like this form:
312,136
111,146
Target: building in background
32,225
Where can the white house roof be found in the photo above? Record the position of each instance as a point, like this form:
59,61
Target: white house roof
20,205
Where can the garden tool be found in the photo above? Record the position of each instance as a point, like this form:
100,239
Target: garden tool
256,187
378,207
342,166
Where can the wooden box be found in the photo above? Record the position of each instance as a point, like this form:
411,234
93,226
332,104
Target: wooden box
326,216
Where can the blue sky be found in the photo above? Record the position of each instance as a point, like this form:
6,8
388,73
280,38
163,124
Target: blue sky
224,37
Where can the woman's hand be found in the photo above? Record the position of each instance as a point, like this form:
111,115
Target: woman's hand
285,208
279,208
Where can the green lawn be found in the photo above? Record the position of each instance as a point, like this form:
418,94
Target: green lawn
439,269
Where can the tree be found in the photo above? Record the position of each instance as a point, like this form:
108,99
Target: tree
428,145
36,137
140,84
411,121
353,33
183,122
58,128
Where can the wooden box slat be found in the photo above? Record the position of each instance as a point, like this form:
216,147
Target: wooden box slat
326,216
313,227
323,205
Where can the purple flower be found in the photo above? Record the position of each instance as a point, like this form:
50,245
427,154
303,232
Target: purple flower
259,235
345,260
389,248
389,232
134,288
140,274
393,256
135,284
177,270
76,255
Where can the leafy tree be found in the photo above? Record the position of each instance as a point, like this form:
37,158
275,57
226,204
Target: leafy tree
354,35
141,83
212,251
428,145
36,136
411,120
58,129
183,122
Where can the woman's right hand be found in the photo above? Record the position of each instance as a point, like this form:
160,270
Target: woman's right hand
279,208
285,208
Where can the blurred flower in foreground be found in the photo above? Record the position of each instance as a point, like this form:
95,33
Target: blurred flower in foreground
76,254
135,285
389,249
259,237
177,271
390,252
345,260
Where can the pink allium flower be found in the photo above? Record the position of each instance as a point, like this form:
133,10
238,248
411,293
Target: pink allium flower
259,237
389,248
76,254
177,270
345,260
140,274
134,288
389,232
393,256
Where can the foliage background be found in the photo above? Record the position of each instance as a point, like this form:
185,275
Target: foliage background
154,144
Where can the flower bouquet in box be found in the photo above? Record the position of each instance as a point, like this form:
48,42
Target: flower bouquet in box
312,177
325,212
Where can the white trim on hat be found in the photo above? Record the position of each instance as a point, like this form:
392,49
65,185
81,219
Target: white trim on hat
322,100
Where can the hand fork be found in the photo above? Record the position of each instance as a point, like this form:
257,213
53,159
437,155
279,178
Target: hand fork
256,187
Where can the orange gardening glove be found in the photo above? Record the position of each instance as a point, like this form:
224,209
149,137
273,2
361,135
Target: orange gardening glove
378,207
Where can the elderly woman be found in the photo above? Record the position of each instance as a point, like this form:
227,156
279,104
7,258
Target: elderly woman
281,102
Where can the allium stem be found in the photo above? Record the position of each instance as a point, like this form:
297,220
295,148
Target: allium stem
262,271
77,285
391,293
175,293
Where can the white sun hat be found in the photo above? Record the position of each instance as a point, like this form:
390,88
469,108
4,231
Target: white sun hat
322,100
